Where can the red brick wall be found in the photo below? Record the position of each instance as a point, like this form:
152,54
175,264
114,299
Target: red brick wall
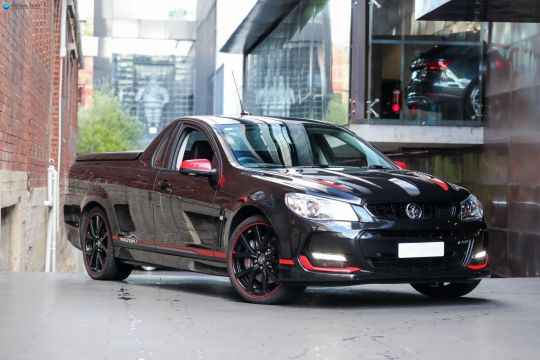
29,73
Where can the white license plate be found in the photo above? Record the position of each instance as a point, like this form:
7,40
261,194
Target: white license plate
419,250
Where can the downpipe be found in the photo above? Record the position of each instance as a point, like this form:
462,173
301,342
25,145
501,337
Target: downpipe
53,175
52,203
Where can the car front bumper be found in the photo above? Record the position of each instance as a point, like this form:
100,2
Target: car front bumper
371,252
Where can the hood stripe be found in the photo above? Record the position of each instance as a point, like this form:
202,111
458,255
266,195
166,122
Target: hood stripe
350,177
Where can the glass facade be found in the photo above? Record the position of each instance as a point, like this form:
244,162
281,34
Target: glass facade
302,68
154,89
423,72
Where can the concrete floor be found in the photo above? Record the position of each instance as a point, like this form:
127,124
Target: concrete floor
189,316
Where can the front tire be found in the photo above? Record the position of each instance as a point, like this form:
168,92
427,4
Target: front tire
253,261
97,248
446,290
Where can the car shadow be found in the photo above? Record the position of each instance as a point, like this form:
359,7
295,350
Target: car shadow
361,296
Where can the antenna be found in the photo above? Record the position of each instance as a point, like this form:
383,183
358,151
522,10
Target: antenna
242,111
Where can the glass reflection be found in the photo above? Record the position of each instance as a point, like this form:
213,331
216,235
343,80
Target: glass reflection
424,72
302,68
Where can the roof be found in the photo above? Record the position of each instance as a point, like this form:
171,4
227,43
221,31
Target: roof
261,20
252,119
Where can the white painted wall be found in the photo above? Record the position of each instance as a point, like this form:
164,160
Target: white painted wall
230,13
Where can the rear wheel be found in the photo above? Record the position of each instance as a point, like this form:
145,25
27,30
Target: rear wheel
253,261
473,102
97,248
446,290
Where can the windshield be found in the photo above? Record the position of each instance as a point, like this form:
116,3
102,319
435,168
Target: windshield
287,145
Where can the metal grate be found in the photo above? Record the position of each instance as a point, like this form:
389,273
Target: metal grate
396,211
416,265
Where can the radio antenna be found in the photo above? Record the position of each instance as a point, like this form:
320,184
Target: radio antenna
242,111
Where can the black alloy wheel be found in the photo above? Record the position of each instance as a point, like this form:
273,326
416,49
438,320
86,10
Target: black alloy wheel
442,290
253,263
97,248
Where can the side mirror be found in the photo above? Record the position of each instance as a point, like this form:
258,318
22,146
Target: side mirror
401,164
197,167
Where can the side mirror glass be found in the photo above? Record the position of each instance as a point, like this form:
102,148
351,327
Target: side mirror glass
197,167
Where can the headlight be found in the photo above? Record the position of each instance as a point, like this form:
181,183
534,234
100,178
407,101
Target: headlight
471,209
316,208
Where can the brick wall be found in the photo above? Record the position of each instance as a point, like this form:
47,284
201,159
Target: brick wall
26,39
30,68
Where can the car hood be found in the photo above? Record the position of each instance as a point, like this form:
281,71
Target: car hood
361,185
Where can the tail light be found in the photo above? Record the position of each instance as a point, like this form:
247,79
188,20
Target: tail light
396,100
434,65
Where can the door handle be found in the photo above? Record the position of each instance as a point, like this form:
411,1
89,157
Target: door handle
165,185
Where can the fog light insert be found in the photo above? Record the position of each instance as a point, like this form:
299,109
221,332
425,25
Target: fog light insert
479,261
330,257
480,255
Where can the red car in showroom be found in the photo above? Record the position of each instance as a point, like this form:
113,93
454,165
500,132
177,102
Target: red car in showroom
275,204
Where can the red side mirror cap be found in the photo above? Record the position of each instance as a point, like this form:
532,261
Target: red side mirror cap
401,164
201,167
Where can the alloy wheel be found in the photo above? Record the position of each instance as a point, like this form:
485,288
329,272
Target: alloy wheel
476,102
255,260
96,243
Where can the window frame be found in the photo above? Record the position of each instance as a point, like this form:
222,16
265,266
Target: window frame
180,137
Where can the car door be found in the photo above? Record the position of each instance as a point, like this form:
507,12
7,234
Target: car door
186,218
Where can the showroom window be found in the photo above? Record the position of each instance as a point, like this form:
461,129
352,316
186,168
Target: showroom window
423,72
302,68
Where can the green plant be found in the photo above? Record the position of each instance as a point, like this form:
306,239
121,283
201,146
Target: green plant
338,111
105,126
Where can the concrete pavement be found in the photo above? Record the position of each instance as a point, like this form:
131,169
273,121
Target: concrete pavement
181,315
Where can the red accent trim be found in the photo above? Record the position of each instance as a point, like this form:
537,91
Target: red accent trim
243,199
307,265
401,164
286,262
196,164
222,181
328,183
220,254
441,183
202,252
477,267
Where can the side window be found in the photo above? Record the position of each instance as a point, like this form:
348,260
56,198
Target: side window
195,145
343,153
161,155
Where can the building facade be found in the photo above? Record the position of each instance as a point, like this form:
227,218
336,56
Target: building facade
451,87
146,54
39,60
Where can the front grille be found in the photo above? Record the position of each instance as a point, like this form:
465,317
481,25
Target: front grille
416,265
421,234
396,211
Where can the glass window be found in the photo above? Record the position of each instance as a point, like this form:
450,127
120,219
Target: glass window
335,147
195,145
423,72
274,145
302,68
162,153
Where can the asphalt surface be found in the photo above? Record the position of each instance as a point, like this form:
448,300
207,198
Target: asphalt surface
184,315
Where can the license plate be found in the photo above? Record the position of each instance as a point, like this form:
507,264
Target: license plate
420,250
